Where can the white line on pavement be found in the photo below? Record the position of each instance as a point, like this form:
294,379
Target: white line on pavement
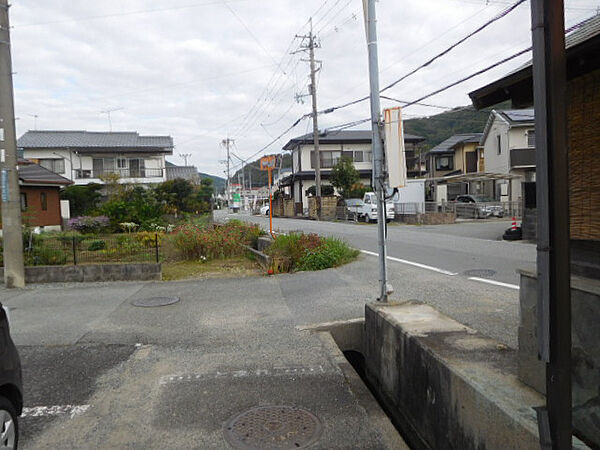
50,411
495,283
411,263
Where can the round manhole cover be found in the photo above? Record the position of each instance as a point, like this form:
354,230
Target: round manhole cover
154,302
273,427
480,273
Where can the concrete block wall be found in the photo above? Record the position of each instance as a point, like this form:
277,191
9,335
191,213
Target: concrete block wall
91,272
446,386
585,316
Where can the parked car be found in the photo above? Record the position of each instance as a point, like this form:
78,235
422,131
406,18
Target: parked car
368,210
477,207
11,385
353,208
264,210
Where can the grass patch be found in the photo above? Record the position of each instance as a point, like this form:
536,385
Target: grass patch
219,268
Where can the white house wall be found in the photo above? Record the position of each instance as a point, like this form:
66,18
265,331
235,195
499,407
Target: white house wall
74,162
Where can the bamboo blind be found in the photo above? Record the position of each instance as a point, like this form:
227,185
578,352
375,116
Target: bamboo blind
584,156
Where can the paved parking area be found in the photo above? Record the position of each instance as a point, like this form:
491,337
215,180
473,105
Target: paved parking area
102,373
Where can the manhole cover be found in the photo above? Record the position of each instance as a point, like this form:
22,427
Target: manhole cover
273,427
154,302
480,273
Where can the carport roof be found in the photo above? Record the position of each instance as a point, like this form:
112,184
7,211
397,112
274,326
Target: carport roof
479,176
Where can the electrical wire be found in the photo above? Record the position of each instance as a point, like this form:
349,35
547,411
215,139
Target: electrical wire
479,29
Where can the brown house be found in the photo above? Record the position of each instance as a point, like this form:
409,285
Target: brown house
40,195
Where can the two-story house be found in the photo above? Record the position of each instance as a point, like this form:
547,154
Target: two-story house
460,154
508,143
333,145
85,157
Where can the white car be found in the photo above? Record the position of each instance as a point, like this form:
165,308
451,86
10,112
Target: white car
264,210
368,209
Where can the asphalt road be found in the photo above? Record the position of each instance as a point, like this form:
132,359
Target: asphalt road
466,249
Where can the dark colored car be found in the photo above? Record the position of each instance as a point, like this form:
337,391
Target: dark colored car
11,386
477,207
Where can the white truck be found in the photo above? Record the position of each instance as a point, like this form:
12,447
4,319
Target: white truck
368,209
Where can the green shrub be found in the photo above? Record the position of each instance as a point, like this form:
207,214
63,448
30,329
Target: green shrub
46,256
96,245
331,253
298,251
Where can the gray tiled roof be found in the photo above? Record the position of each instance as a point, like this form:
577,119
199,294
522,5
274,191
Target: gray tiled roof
448,145
518,115
31,173
89,139
341,136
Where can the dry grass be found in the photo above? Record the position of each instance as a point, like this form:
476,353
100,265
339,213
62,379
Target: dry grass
219,268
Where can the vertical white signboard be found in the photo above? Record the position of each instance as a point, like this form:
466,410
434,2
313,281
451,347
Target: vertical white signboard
395,157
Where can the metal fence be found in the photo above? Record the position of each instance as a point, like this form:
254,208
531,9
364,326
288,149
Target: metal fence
67,250
463,210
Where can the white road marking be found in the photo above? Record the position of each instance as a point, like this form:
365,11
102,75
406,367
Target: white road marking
495,283
275,371
412,263
57,410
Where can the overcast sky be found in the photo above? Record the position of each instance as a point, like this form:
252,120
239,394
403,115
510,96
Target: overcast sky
202,70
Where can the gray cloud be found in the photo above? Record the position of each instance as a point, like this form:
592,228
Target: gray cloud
191,69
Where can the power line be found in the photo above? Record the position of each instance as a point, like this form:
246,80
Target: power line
129,13
497,17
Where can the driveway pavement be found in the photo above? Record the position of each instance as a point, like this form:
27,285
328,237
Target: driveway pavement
102,373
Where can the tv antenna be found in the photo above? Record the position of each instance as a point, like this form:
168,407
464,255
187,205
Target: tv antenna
108,112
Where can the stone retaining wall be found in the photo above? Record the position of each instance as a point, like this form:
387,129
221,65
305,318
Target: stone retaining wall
91,272
434,218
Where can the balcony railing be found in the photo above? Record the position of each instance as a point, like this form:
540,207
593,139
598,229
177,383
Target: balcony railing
123,173
522,157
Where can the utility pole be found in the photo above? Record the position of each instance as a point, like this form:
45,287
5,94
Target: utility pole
227,144
312,44
35,117
185,157
378,156
12,232
553,246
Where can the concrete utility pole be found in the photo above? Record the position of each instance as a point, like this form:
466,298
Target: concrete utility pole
12,232
227,143
553,252
378,156
185,157
312,44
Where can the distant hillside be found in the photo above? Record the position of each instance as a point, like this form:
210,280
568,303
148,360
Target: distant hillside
218,182
440,127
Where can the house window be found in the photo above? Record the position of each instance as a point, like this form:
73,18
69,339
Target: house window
328,159
44,201
359,156
531,138
444,163
54,165
121,163
499,144
23,201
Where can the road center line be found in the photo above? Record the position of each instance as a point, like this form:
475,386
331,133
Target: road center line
495,283
57,410
414,264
